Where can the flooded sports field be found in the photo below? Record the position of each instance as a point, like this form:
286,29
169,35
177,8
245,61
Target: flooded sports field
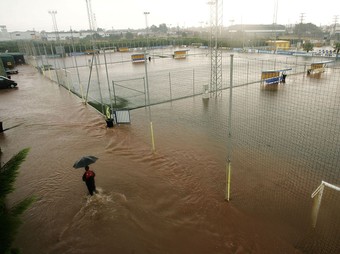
283,143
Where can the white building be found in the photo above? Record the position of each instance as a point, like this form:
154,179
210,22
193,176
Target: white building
49,36
4,35
52,36
27,35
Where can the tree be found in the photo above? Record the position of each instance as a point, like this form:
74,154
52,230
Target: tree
308,46
115,36
308,29
129,35
11,46
10,216
163,28
154,29
96,36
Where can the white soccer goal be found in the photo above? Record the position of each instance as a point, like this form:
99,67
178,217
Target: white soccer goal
317,194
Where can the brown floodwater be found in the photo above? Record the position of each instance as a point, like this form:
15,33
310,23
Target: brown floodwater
169,201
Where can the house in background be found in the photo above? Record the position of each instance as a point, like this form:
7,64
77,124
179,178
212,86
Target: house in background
27,35
279,44
4,34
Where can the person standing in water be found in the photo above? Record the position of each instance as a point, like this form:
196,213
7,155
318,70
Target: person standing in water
88,178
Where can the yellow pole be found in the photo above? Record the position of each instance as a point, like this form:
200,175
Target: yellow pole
228,180
108,113
152,137
229,143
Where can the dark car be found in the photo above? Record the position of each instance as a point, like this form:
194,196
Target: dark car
7,83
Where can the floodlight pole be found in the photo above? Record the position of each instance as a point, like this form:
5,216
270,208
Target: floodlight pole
147,80
147,28
55,27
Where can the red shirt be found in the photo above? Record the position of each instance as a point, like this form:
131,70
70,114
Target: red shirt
89,174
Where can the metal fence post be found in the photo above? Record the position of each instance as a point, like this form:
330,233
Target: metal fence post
170,86
148,95
145,99
193,82
229,144
114,92
108,81
247,71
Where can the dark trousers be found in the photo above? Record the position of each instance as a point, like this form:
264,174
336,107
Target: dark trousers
91,186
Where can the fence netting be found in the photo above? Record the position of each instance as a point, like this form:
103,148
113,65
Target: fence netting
285,141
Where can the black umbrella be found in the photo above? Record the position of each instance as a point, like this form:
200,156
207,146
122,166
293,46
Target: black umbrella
85,161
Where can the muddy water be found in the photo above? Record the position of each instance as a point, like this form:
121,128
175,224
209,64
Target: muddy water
164,202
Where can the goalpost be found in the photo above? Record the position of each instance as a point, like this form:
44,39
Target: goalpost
317,194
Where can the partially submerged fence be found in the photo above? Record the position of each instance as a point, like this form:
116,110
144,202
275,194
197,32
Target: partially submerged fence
284,140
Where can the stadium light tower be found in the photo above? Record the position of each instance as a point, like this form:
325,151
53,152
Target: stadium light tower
55,27
90,15
216,23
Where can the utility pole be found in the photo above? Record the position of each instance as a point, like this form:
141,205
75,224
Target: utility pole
230,31
302,16
335,22
274,24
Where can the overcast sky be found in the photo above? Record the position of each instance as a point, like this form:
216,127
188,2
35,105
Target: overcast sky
22,15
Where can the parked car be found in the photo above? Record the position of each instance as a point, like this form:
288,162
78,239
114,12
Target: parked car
7,83
11,71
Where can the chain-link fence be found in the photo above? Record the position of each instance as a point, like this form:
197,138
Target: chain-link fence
290,137
284,141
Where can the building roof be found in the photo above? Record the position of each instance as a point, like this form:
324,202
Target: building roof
257,28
